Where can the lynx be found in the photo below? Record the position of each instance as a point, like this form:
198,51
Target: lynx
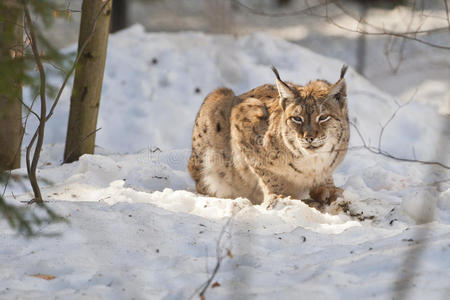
275,141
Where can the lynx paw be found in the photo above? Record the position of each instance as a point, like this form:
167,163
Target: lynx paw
271,201
325,194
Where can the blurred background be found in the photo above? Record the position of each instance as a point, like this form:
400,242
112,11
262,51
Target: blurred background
400,46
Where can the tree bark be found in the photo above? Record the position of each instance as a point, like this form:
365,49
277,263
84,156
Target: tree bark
11,71
85,100
119,15
361,49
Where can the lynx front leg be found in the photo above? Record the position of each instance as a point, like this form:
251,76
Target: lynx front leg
271,200
272,187
324,194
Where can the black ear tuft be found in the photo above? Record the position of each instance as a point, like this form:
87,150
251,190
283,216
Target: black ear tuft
275,71
283,89
343,71
339,90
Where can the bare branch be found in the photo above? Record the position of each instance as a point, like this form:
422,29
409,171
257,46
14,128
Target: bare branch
56,67
378,151
220,256
29,109
41,129
392,117
284,14
381,31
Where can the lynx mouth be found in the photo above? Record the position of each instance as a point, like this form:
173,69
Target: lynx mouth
311,147
314,145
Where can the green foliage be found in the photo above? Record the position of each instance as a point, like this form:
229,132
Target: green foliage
18,69
44,9
24,218
23,67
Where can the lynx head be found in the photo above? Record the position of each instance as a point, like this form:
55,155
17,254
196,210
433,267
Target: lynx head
313,116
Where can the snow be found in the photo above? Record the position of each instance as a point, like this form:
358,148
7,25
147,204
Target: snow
138,230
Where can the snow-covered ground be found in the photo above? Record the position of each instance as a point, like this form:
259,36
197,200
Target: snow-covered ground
138,230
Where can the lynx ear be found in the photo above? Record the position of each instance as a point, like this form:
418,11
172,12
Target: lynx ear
284,90
338,90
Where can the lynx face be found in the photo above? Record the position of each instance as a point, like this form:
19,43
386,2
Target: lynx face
312,115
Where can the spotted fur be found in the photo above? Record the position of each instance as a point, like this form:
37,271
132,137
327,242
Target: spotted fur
273,141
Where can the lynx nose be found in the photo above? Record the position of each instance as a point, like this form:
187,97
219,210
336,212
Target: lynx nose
309,139
309,136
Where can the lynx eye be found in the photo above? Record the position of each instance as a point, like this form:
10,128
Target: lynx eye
298,120
323,118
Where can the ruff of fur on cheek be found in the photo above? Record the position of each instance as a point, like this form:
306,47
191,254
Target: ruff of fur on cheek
295,145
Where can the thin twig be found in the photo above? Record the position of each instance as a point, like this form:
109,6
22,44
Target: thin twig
383,127
282,14
41,129
29,109
381,31
401,50
410,35
56,67
382,28
67,10
378,151
220,256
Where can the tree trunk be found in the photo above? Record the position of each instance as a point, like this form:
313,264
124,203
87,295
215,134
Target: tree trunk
119,15
85,100
361,48
11,47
